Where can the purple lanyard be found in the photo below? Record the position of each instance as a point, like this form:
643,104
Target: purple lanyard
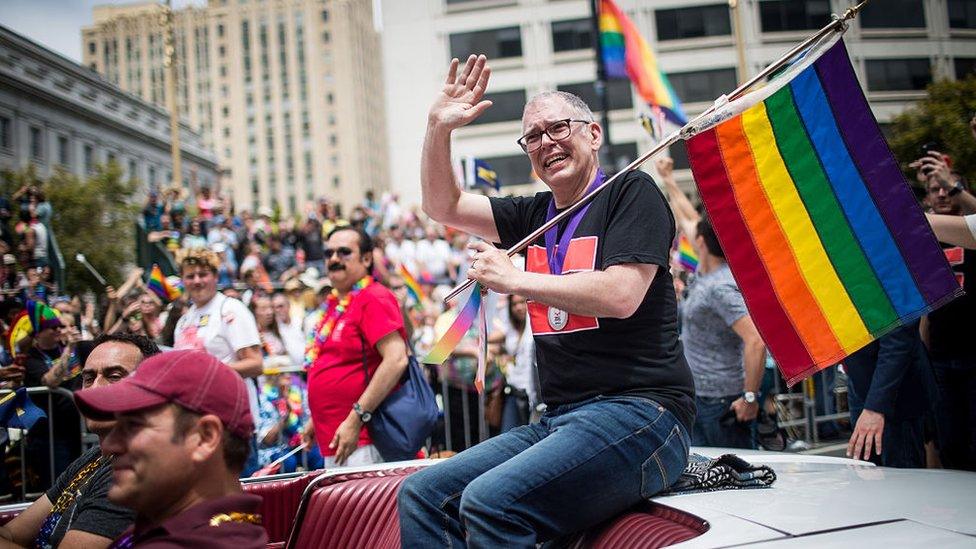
556,254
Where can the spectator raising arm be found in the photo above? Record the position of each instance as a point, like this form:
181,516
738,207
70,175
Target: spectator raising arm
685,215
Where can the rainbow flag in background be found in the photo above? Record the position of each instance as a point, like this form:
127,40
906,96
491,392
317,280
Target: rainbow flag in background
818,224
687,258
161,286
413,288
627,55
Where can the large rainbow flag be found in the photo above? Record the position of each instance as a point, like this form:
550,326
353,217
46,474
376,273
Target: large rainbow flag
818,224
627,55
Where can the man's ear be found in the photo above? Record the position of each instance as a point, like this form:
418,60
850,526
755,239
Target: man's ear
596,136
210,431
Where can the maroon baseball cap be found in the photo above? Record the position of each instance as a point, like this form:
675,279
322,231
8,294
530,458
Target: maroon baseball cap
193,379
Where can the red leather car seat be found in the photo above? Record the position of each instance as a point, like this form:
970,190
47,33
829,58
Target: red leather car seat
358,509
355,509
282,497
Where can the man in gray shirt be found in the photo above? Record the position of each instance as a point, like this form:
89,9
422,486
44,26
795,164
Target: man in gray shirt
723,349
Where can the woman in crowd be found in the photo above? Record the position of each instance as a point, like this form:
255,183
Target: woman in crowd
357,355
282,417
520,375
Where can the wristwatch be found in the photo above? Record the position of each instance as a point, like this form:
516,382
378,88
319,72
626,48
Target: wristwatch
955,188
365,416
749,397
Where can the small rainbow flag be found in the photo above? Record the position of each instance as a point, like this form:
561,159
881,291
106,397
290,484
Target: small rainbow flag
413,288
819,227
687,258
462,323
161,286
627,55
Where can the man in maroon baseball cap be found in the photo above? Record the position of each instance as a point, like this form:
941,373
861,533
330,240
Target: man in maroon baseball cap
182,435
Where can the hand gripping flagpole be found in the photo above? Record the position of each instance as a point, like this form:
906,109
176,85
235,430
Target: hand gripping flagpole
838,24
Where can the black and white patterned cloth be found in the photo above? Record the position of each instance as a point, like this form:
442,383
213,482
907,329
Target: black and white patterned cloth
727,472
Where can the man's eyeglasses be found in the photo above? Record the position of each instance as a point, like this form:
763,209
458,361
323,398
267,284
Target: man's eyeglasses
557,131
342,251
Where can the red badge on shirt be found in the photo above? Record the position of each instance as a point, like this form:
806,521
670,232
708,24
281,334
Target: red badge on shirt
546,320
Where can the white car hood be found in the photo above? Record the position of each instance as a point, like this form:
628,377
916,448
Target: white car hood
816,494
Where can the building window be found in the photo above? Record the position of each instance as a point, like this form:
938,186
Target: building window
111,158
132,169
618,94
64,152
962,14
965,67
92,47
793,15
36,143
506,105
220,30
495,43
325,16
89,159
6,132
898,74
691,87
575,34
893,14
512,169
695,22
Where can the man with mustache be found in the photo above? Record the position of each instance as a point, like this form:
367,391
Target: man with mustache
181,436
360,328
75,511
601,303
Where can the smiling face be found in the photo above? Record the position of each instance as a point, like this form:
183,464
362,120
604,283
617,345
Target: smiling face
346,263
200,283
108,363
565,165
151,460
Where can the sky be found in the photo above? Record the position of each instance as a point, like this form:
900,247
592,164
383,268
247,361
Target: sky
57,23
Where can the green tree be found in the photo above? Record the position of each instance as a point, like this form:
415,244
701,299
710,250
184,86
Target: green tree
941,118
92,216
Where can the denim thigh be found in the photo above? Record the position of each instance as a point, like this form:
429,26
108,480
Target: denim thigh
596,460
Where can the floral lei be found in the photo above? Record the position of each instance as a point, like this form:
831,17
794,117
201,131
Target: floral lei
334,308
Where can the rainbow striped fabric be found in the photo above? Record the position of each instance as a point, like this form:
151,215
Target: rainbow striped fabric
413,288
686,256
161,286
460,326
818,224
627,55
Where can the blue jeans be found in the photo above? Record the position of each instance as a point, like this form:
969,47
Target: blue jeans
710,428
581,464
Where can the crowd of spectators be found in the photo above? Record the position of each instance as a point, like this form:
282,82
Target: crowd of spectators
275,266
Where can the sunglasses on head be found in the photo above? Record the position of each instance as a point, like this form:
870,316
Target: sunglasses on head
342,251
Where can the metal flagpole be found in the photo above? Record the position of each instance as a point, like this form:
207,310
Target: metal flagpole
836,25
600,85
735,6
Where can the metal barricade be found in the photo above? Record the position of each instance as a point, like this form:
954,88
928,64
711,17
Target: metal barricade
21,435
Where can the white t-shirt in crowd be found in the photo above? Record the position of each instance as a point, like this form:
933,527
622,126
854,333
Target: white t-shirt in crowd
221,328
435,257
403,252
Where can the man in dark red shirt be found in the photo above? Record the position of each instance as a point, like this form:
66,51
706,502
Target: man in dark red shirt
182,432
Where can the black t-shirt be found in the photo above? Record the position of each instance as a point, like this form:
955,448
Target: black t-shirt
90,510
950,326
582,357
67,422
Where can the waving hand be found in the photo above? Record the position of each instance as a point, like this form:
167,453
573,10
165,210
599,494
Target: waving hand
461,99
